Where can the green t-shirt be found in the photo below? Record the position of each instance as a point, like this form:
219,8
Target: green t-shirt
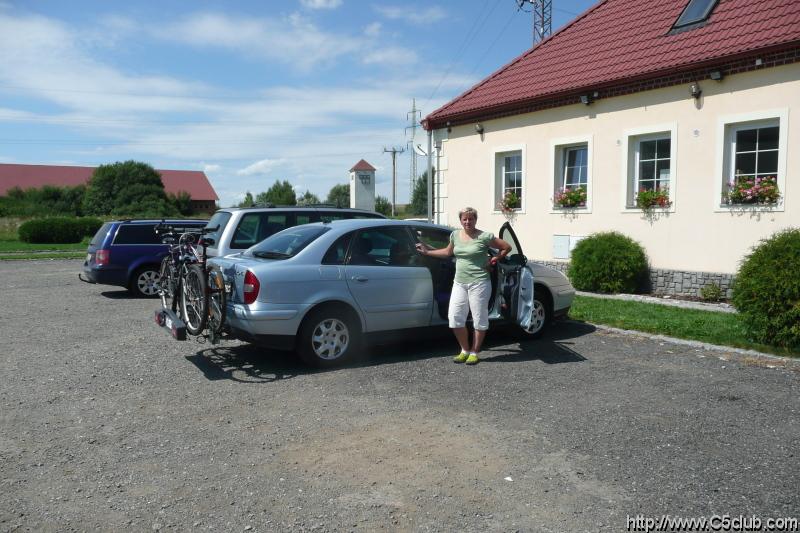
471,256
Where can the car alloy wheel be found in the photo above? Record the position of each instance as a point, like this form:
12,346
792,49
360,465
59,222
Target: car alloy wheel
538,318
330,339
147,282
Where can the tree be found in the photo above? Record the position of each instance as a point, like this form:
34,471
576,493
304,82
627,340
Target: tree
339,195
248,200
182,202
308,198
383,206
282,193
129,188
419,196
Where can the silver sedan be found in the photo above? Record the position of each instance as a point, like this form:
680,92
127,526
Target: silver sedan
323,288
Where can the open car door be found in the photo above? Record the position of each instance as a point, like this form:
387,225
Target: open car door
515,282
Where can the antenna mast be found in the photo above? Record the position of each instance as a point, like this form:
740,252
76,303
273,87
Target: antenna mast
542,18
413,125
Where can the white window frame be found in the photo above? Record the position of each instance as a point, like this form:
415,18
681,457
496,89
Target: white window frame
557,149
630,170
723,167
496,169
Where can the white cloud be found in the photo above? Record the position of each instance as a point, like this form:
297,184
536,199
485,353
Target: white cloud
211,168
373,29
390,55
413,16
259,167
293,41
321,4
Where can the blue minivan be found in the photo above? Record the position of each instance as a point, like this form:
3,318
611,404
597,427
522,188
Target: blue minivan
128,253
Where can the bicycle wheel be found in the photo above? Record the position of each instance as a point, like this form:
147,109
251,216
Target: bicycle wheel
194,305
216,300
167,285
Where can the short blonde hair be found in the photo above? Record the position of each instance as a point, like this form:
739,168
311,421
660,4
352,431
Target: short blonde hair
469,211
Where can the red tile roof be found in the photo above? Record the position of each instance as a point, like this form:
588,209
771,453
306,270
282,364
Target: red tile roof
194,182
618,41
362,165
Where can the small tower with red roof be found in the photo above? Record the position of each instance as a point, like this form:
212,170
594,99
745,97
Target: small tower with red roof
362,186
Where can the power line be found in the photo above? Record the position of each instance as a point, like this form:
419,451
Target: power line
467,38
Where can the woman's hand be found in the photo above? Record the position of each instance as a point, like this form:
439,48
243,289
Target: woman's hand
421,249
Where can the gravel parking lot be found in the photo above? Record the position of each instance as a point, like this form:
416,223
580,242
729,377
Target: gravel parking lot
106,423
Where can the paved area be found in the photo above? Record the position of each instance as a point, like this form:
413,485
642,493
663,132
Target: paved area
108,424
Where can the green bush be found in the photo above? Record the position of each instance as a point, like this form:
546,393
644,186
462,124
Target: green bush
56,230
711,292
767,290
608,262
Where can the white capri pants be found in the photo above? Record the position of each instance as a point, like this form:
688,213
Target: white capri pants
468,297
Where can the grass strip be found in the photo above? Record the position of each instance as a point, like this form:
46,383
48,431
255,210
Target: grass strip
713,327
13,245
29,256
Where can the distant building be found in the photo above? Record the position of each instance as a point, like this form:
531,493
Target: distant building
193,182
362,186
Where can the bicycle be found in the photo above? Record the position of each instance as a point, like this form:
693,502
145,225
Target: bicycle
189,286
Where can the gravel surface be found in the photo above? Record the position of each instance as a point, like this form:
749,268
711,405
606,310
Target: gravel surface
106,423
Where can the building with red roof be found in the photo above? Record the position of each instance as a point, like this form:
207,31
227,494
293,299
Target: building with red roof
193,182
655,119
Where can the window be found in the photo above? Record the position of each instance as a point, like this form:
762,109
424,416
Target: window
752,172
694,14
650,165
218,220
287,244
509,178
575,166
255,227
383,246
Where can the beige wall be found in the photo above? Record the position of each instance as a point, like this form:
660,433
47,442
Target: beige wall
695,233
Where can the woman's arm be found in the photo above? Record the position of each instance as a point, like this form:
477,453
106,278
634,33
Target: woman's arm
501,245
424,249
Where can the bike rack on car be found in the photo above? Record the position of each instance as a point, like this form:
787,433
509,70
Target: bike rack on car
167,319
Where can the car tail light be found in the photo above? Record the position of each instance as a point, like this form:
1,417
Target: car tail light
102,257
251,287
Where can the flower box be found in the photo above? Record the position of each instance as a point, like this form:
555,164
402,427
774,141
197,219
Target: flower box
569,198
653,199
753,190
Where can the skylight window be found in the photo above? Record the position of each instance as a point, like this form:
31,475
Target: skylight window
694,14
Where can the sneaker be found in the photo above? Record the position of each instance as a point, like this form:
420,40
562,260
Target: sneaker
472,359
460,358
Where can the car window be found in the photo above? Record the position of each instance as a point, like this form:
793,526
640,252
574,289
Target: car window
137,234
287,243
255,227
220,219
337,253
433,237
305,218
98,238
383,246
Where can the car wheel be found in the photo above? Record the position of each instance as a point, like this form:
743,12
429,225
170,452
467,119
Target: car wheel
328,337
541,313
144,282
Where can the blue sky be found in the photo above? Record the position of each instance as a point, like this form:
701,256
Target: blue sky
249,92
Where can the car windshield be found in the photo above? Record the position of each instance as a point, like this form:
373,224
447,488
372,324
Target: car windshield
287,243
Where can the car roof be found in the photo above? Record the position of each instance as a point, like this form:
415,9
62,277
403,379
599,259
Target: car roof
358,223
298,208
157,220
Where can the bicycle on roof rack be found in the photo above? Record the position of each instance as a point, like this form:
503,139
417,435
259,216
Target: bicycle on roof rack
190,289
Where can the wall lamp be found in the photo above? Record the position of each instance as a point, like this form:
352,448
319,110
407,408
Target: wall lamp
695,90
586,99
447,125
479,128
716,75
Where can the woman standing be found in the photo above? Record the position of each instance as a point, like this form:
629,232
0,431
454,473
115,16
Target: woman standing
472,285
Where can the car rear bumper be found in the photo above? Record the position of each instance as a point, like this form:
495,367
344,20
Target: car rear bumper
274,320
105,277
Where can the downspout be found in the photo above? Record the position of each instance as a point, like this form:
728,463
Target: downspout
430,175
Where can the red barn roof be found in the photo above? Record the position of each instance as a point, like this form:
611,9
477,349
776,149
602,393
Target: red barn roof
619,41
193,182
362,165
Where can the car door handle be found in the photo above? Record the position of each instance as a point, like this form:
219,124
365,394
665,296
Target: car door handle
360,278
